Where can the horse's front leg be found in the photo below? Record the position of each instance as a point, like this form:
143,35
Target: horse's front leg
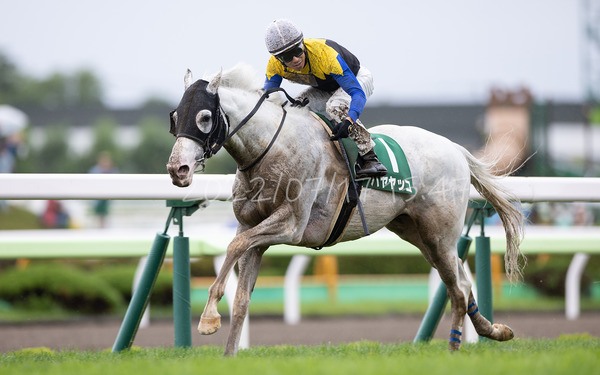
277,228
210,321
249,265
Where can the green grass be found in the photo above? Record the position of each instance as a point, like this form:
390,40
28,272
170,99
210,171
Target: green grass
568,354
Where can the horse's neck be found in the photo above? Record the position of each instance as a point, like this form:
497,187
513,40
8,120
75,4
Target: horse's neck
254,136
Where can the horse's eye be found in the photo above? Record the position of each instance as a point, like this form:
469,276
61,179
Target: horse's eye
203,121
173,123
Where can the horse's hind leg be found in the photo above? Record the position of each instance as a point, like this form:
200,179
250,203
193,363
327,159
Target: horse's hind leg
249,265
445,260
498,332
437,241
458,286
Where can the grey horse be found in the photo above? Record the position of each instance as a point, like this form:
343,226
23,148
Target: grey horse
291,180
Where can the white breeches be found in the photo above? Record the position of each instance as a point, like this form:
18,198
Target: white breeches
337,104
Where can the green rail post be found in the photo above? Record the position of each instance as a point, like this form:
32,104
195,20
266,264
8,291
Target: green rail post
483,269
141,295
182,312
182,307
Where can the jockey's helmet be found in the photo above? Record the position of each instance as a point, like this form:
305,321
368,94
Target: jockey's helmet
282,35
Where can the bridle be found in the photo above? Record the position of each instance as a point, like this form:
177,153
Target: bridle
197,97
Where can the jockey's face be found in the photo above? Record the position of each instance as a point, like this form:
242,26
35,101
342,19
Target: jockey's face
294,58
297,62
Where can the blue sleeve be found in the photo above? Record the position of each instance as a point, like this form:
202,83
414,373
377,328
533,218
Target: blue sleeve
350,84
275,81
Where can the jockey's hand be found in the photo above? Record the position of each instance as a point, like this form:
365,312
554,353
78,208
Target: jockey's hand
341,130
300,102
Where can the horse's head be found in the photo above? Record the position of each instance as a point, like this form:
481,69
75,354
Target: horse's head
199,126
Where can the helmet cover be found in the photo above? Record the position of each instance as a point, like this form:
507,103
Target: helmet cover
282,35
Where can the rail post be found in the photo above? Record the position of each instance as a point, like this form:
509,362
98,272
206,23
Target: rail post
181,281
483,267
182,306
142,293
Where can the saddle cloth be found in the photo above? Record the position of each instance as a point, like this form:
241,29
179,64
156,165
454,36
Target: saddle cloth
389,153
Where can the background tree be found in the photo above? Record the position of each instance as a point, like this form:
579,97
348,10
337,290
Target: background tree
152,153
9,79
89,91
54,156
105,135
55,92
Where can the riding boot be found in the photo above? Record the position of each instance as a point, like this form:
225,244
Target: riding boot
370,166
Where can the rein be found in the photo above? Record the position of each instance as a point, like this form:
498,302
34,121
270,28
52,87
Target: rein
259,158
253,112
257,106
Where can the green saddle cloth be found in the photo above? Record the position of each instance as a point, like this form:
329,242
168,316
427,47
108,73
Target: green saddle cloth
390,154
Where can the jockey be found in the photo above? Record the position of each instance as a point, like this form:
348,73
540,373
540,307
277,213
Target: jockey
340,86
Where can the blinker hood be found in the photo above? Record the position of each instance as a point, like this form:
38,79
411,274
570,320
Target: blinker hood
195,99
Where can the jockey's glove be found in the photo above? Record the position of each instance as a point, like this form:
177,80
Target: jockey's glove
300,102
341,130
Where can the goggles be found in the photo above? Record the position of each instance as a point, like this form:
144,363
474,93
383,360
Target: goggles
289,55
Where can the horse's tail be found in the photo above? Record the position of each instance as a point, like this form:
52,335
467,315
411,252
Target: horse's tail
508,207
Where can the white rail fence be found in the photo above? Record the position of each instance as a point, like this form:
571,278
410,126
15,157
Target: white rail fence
218,187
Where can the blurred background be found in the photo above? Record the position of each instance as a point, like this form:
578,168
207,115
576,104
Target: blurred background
88,86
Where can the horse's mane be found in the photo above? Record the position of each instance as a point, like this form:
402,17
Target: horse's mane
241,76
244,77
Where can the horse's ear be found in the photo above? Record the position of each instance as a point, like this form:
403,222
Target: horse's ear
188,79
214,83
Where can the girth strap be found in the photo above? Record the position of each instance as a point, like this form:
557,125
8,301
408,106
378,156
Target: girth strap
350,202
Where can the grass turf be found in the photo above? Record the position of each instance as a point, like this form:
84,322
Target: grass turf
568,354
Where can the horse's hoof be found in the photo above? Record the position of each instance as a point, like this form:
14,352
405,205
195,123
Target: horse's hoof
208,326
453,346
504,332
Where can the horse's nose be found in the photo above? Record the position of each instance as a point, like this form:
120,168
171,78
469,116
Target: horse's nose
183,171
172,170
179,173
